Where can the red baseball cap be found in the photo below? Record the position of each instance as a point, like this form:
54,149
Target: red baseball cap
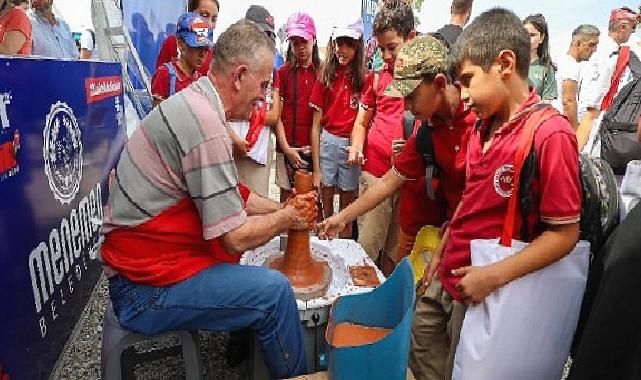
623,13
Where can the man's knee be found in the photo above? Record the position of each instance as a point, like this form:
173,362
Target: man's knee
275,283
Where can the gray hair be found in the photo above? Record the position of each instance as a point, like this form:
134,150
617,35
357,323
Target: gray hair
244,42
585,31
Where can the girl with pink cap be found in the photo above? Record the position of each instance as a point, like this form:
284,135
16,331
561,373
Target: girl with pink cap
335,101
294,83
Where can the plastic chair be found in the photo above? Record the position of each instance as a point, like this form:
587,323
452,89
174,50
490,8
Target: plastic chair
115,340
391,306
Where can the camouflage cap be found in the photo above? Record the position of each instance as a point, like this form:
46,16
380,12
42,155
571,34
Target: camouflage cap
418,58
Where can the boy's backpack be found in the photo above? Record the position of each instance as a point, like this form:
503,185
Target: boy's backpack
425,147
599,194
172,78
618,130
599,210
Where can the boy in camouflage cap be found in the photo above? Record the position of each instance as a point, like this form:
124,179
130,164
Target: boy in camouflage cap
424,57
422,77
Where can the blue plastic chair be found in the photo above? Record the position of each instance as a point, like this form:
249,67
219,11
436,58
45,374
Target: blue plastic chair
390,306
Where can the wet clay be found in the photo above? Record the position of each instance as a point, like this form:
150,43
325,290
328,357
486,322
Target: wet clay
297,264
351,335
364,275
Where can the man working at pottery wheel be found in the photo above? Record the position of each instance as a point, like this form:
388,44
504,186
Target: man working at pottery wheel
177,215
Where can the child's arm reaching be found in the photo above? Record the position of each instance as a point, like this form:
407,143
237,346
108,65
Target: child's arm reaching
551,246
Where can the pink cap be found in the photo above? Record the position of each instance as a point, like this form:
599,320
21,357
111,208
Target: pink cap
300,25
353,30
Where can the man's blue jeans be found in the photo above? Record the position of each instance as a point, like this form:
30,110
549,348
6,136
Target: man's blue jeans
224,297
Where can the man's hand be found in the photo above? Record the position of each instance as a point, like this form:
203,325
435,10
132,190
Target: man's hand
304,210
477,283
354,156
331,227
397,146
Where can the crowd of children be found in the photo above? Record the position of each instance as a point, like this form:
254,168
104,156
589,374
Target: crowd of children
429,139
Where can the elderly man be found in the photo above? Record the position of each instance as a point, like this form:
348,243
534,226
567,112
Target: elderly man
176,211
598,75
51,35
585,39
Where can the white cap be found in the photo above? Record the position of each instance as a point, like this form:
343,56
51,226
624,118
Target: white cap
353,30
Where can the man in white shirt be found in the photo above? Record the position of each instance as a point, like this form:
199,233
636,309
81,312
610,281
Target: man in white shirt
585,39
598,79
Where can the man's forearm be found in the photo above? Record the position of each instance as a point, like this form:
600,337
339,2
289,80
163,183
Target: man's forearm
257,205
585,127
258,230
570,111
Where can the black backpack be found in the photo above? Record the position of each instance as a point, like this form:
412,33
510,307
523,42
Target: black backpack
425,147
618,130
599,195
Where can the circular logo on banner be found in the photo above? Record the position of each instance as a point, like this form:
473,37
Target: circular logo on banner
62,152
504,180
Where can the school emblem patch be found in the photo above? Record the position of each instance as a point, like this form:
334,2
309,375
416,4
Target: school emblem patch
504,180
62,152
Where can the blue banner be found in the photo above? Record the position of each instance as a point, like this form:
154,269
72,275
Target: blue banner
61,132
149,23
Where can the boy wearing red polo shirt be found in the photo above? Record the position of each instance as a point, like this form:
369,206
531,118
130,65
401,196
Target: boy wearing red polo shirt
194,42
492,61
380,119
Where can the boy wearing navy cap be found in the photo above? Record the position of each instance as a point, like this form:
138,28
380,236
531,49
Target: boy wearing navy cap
194,37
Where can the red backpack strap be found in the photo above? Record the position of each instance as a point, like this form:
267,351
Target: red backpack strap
622,63
534,120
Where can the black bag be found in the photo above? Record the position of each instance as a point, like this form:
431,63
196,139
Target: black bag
599,215
425,147
599,196
618,130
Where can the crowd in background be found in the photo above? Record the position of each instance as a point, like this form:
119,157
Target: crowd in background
32,28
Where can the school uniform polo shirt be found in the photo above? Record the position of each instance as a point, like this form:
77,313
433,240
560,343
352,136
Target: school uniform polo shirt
450,141
556,190
386,125
338,104
284,84
160,81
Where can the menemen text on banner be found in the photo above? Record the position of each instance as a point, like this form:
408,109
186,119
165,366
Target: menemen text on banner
61,132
